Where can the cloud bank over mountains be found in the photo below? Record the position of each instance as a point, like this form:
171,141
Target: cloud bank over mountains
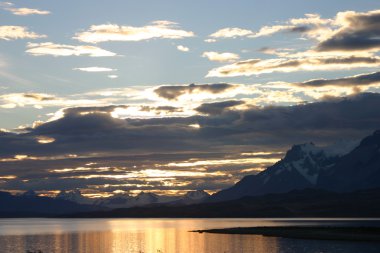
89,148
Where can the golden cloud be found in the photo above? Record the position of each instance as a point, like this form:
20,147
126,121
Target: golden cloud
8,32
113,32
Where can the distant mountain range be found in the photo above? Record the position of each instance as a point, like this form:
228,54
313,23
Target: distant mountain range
31,205
142,199
337,179
297,203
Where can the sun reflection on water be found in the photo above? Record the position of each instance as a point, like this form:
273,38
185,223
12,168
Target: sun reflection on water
135,236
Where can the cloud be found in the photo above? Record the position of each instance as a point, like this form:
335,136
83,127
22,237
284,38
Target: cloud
210,40
357,31
95,69
357,80
41,100
8,32
281,52
113,76
113,32
22,11
258,66
218,107
27,11
347,31
312,25
173,92
221,57
349,40
49,48
183,48
231,32
87,148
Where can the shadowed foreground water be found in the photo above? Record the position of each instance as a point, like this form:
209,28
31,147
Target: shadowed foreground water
162,236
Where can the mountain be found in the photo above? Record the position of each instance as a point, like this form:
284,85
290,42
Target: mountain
31,205
297,203
29,194
126,201
74,196
196,195
192,197
343,167
299,169
117,201
359,169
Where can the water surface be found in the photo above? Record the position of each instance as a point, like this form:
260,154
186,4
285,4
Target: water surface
165,236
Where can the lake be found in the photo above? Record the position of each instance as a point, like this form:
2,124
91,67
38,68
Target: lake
166,236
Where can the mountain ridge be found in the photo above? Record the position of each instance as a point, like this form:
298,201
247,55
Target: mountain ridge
309,166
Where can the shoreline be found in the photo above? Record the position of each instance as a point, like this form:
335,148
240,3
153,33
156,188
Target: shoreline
371,234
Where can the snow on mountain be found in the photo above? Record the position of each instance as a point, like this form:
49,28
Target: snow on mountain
359,169
299,169
125,200
74,196
196,195
117,201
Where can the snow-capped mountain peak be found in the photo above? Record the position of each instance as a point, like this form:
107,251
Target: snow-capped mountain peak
74,196
146,198
196,195
299,169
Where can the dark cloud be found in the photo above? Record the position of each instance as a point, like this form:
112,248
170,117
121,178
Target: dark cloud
125,145
358,80
302,29
172,92
157,109
38,96
361,31
217,107
92,109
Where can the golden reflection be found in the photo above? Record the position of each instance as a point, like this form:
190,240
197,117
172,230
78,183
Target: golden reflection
138,236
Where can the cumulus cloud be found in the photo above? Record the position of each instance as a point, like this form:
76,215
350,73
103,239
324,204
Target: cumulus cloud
49,48
173,92
258,66
183,48
113,32
95,69
357,31
312,25
347,31
8,32
221,57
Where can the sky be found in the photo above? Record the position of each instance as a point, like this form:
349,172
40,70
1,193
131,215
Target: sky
118,97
